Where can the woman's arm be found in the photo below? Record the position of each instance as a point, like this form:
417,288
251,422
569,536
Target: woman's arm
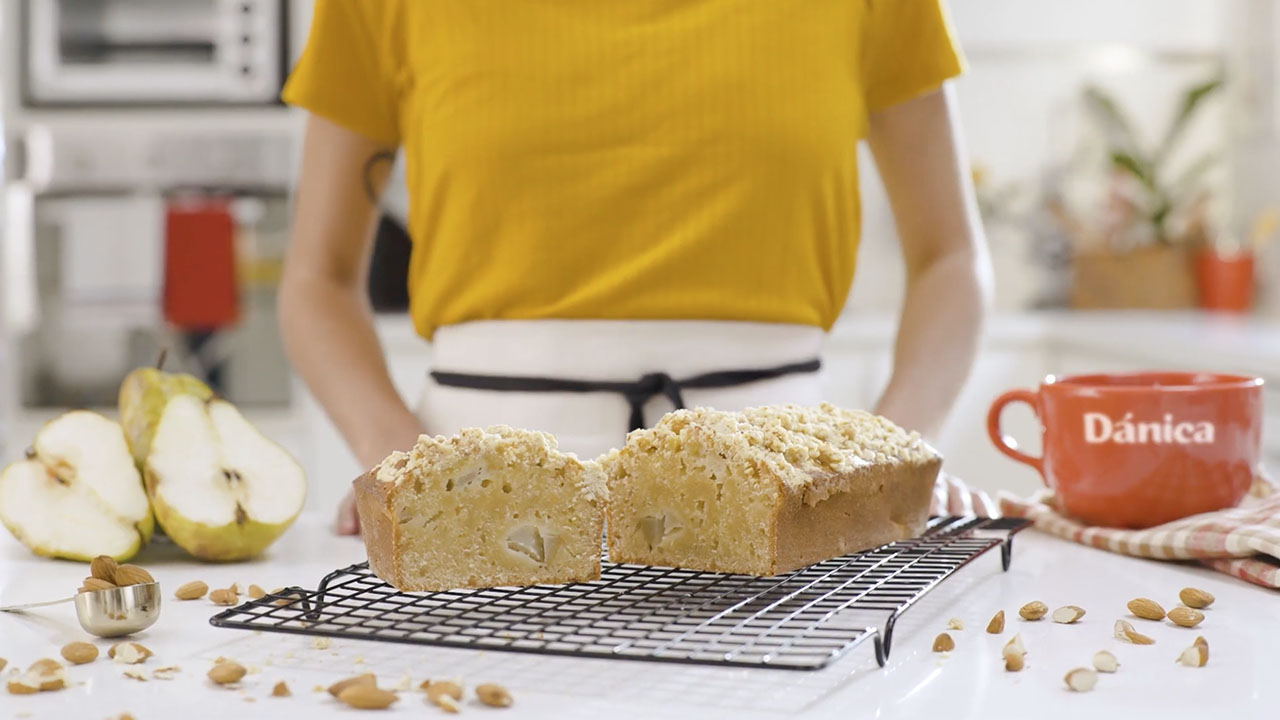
325,317
920,155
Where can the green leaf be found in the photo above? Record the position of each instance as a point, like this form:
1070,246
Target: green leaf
1194,172
1135,167
1192,100
1115,126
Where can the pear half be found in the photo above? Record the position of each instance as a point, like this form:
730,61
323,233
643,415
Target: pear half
220,489
144,393
78,494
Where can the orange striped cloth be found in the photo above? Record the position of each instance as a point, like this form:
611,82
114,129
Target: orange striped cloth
1243,541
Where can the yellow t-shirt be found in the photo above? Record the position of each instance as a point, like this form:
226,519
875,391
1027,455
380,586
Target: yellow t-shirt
637,159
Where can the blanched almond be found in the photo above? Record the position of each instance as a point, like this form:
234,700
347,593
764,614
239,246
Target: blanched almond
1104,661
1081,679
1068,614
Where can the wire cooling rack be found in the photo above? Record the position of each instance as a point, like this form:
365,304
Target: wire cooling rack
802,620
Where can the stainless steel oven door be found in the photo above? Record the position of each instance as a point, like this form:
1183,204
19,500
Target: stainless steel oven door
127,52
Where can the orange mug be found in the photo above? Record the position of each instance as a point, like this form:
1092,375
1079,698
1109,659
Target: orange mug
1135,450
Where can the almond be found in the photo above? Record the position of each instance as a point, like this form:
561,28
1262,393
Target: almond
1146,609
1202,643
493,695
1124,631
996,626
193,590
445,694
942,643
3,663
1195,656
1015,644
256,593
1033,610
46,674
19,686
280,690
1081,679
104,567
1195,598
235,588
367,697
366,679
425,684
129,653
1186,617
1104,661
79,653
952,624
92,583
1013,661
132,575
226,673
1068,614
223,597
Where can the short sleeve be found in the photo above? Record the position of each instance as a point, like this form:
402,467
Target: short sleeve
909,49
345,73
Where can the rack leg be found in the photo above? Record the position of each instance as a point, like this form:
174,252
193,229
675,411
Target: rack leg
1006,553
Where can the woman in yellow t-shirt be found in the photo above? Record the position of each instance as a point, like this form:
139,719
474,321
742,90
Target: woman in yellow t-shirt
618,208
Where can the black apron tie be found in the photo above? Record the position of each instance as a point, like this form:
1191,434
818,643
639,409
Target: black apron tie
637,392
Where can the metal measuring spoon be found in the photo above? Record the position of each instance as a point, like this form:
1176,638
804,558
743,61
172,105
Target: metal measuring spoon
111,612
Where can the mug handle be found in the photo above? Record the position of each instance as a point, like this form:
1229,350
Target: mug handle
1004,443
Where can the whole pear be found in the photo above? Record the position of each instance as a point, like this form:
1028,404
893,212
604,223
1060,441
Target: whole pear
143,396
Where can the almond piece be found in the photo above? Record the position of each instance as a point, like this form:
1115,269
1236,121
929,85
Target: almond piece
1033,610
1124,631
1014,661
1015,644
104,567
1104,661
226,673
367,697
1081,679
943,643
1068,614
1194,656
445,694
193,590
79,653
19,686
129,653
1146,608
3,663
952,624
1202,643
223,597
132,575
425,684
93,583
235,588
256,593
46,675
1195,598
366,679
996,626
493,695
1186,617
280,690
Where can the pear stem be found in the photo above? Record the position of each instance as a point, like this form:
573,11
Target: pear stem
30,453
164,352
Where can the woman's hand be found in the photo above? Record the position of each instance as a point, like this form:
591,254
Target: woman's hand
348,520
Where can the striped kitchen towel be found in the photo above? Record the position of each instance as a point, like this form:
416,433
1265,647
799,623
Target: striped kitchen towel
1243,541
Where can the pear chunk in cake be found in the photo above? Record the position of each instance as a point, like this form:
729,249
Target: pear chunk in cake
767,490
483,508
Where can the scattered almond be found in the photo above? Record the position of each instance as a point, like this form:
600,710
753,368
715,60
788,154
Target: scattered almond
367,697
1033,610
1202,643
1104,661
996,626
104,567
1015,643
223,597
365,679
256,593
1186,617
952,624
1195,656
19,686
132,575
1124,631
425,684
79,653
1146,609
1195,598
1081,679
3,663
166,672
129,653
943,643
235,588
445,694
193,590
134,674
496,695
1014,661
226,673
93,583
280,690
447,703
47,675
1068,614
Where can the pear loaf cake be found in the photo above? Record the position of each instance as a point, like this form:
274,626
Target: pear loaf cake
767,490
483,508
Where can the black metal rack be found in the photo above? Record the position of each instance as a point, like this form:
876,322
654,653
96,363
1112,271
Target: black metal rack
802,620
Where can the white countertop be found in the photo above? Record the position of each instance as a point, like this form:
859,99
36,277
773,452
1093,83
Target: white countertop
1239,682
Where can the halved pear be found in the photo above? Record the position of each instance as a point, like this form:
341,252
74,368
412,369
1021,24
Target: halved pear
144,393
78,493
221,490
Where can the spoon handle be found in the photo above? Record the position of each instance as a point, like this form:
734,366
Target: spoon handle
20,608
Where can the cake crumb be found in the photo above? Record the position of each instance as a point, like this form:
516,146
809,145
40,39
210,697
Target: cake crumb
320,643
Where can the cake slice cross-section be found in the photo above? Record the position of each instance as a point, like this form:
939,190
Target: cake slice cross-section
483,508
766,490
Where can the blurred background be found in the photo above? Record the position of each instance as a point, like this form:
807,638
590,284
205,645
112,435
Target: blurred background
1126,158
